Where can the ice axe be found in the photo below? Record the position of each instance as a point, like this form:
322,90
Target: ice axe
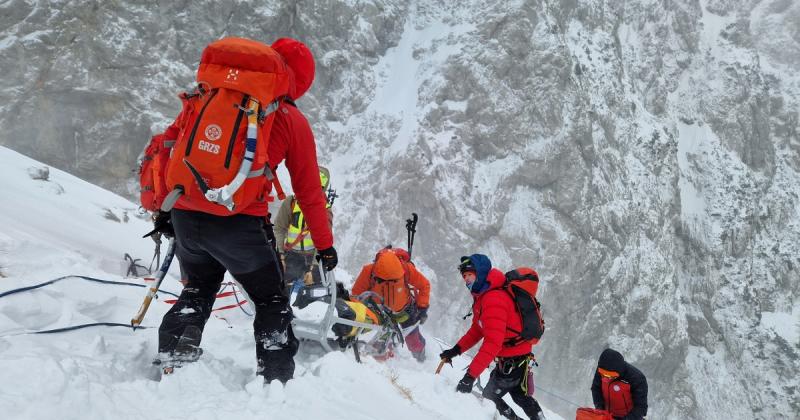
441,365
443,361
151,293
411,227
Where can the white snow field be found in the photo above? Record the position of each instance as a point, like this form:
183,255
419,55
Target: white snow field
64,226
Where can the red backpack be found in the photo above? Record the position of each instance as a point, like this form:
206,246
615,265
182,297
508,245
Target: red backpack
584,413
218,161
617,396
522,284
152,185
401,254
153,166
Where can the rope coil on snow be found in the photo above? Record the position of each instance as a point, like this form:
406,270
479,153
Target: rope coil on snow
92,279
235,293
73,328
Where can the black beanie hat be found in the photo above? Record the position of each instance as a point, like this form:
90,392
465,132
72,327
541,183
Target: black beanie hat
466,265
612,360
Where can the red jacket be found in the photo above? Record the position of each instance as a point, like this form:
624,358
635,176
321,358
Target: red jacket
493,318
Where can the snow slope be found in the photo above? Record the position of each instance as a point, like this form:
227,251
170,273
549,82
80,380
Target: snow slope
65,226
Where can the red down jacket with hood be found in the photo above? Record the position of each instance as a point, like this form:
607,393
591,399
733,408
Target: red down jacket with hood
494,316
292,141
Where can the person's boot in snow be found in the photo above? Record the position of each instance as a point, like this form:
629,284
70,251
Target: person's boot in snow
187,350
509,414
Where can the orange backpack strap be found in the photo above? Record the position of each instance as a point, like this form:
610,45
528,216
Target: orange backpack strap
273,178
296,240
303,232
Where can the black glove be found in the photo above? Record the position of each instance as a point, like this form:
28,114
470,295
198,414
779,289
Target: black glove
328,258
465,385
422,315
449,354
162,223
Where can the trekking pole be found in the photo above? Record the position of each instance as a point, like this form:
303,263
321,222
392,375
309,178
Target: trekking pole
151,293
355,347
331,196
411,227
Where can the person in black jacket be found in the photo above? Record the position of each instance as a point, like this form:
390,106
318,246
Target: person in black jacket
619,387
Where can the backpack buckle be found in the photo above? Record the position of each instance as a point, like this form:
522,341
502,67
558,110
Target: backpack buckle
247,111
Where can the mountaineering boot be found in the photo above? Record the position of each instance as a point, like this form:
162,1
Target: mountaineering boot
276,344
187,350
192,309
276,357
509,414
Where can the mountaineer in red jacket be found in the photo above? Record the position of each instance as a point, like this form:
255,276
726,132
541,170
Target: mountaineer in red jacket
244,243
495,318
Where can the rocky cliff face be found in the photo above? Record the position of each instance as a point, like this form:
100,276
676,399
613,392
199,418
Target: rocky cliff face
642,155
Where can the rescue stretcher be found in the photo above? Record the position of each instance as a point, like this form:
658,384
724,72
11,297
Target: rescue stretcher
318,325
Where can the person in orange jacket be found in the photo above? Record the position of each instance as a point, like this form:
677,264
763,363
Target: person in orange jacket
403,290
